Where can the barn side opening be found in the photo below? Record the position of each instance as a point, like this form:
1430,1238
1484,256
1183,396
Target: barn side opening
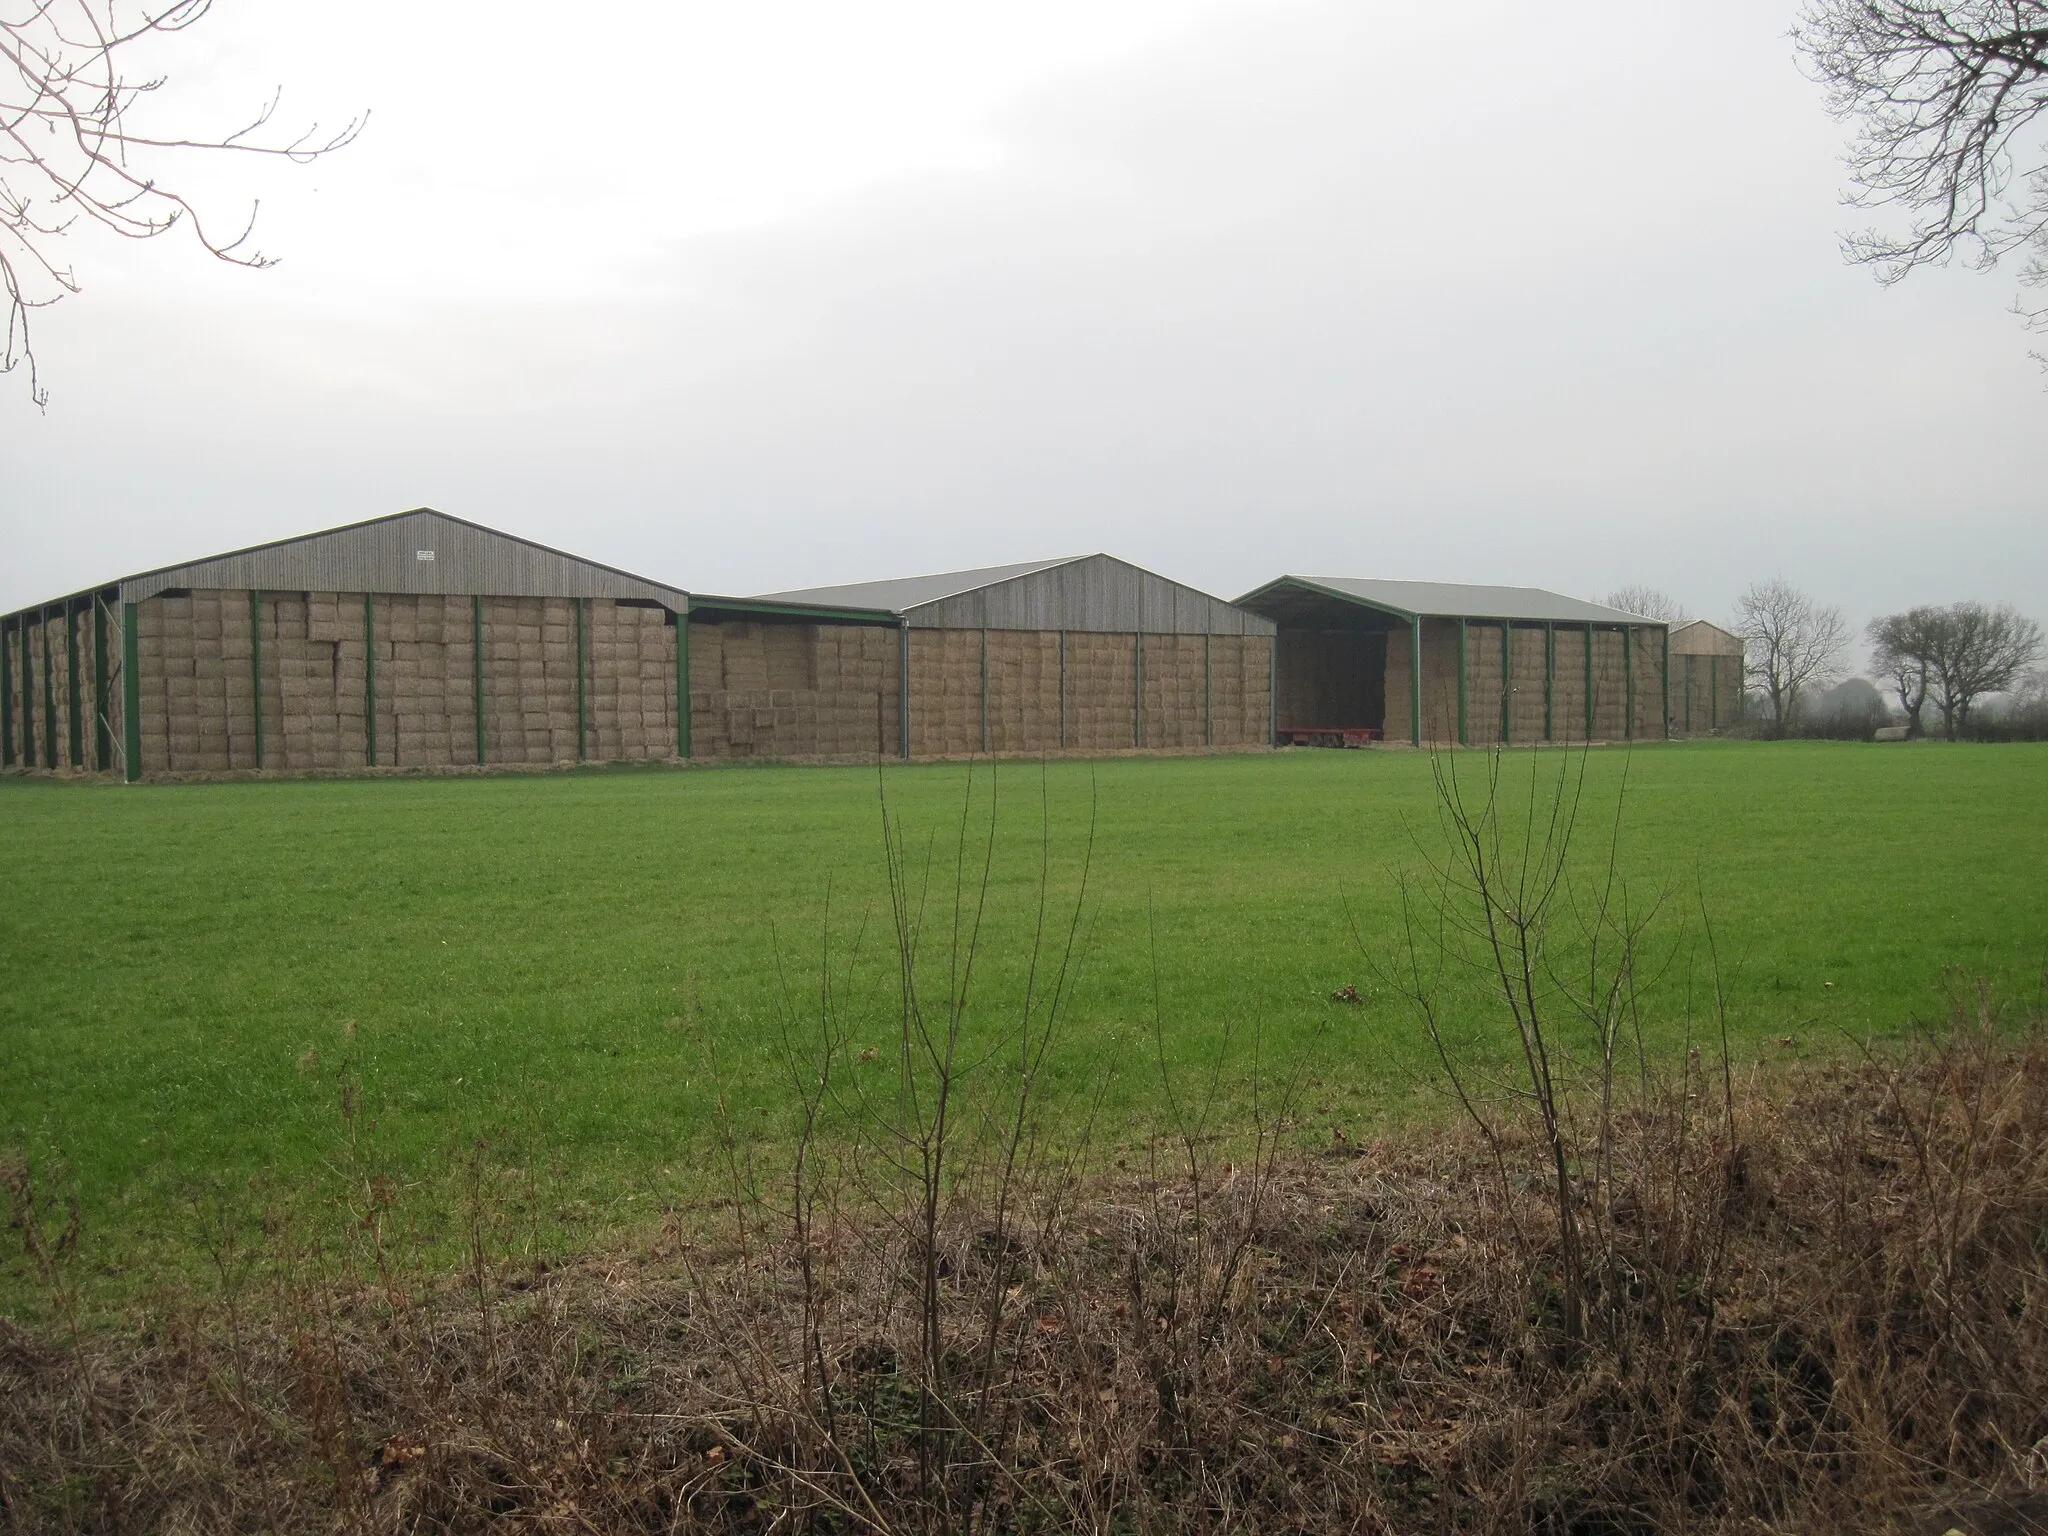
1332,668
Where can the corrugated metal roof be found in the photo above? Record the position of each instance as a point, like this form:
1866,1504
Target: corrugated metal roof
1082,593
1452,599
420,551
907,592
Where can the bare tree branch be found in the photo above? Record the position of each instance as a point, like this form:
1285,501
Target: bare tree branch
69,151
1948,100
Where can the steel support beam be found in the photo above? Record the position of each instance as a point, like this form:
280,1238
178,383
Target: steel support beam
74,692
1549,681
1628,679
903,686
1414,678
6,700
256,667
1138,689
476,671
1063,689
1461,682
1272,689
1664,670
131,696
984,693
1507,679
370,679
49,697
1209,689
28,697
1589,682
582,679
102,677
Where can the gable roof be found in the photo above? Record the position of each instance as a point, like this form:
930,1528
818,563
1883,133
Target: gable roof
904,593
1084,593
420,551
1442,599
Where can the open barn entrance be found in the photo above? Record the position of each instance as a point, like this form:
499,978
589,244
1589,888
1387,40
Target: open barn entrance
1332,670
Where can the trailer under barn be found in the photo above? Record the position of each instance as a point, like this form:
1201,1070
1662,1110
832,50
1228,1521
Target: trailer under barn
1443,662
1084,654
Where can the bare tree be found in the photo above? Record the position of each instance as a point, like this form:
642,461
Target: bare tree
1946,99
72,148
1649,602
1977,650
1790,644
1900,651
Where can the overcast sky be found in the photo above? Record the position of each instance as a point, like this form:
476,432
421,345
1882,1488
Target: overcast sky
796,292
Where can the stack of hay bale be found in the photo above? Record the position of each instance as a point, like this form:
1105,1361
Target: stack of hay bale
1102,680
1529,686
1172,707
632,682
793,690
945,692
1023,690
858,698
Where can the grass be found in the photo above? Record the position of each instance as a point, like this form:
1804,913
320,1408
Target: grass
577,967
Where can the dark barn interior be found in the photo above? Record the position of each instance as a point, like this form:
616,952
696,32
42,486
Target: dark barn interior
1332,661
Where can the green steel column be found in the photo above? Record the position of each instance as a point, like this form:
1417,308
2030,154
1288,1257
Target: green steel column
256,666
984,691
1063,689
1507,679
582,669
28,698
49,697
6,700
1589,682
1138,689
1714,693
1664,674
131,697
1209,691
683,744
476,671
370,678
102,734
1461,682
1628,679
1415,677
74,694
903,686
1273,688
1549,681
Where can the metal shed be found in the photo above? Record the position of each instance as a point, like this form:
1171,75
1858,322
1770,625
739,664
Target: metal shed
416,639
1082,653
1449,662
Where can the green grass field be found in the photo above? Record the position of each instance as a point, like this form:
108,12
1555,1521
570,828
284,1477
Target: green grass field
575,965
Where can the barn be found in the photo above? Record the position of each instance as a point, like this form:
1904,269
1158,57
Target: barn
1083,654
421,640
1443,662
414,640
1706,678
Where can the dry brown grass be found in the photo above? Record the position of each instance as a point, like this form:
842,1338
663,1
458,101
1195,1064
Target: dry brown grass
1829,1314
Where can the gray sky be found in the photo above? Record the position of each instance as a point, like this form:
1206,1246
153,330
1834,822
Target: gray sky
818,293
